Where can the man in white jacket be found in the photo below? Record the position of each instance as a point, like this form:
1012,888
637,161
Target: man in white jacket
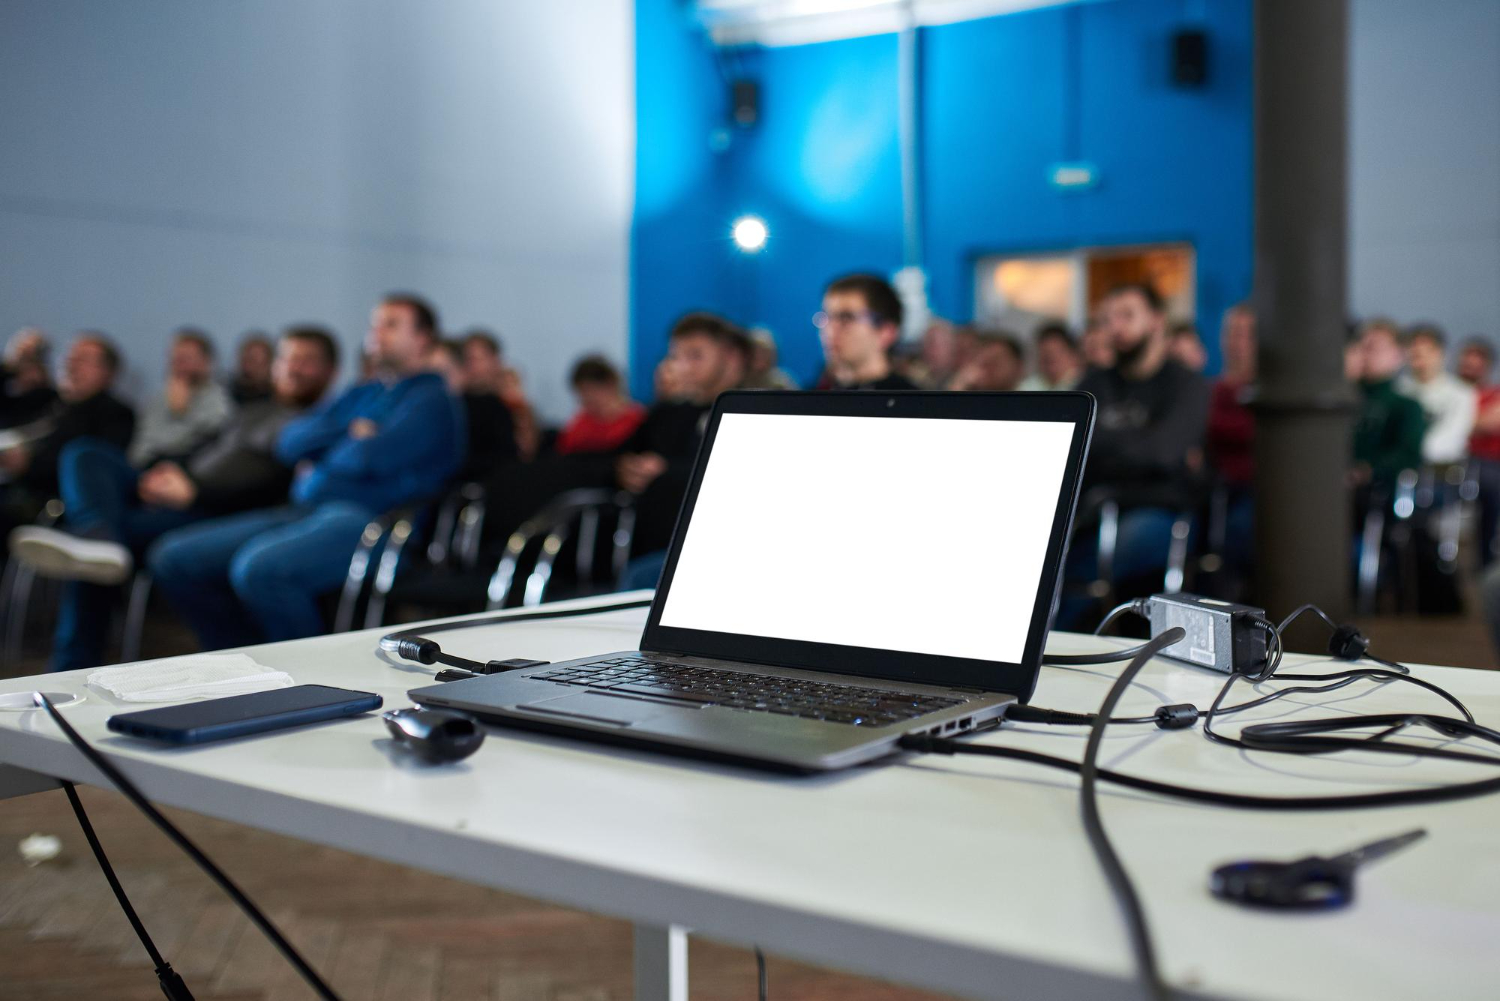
1447,400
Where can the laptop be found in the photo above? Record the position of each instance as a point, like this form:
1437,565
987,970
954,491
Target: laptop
846,569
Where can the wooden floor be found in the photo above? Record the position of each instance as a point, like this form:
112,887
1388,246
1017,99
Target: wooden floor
376,931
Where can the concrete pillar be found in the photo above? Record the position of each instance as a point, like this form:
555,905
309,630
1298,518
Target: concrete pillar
1303,407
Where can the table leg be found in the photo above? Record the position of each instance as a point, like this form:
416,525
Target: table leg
20,782
661,972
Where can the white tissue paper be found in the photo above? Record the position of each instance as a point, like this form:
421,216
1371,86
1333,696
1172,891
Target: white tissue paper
206,676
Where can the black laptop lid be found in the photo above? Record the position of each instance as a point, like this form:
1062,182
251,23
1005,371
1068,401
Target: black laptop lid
910,536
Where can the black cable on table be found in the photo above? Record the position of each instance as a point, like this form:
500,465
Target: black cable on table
128,788
1093,824
413,644
1135,605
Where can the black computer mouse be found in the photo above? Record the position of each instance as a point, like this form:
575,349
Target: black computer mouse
435,735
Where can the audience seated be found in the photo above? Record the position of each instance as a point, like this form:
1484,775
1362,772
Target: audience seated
491,430
1231,426
935,361
997,364
1187,347
393,440
86,407
1096,345
709,356
26,390
1059,362
1447,401
485,371
764,373
192,407
1230,441
606,417
1389,428
252,381
1152,410
1148,435
1476,361
859,324
114,512
706,356
246,517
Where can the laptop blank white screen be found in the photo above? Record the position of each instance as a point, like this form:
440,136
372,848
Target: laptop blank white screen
919,535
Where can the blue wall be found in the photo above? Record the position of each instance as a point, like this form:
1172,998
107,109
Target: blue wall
1003,99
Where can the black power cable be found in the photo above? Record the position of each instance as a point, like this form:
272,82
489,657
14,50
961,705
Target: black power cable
412,644
172,984
1346,643
128,788
1295,737
1093,824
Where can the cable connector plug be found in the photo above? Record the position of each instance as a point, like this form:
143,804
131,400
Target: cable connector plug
1176,717
1018,713
172,984
423,651
926,743
514,664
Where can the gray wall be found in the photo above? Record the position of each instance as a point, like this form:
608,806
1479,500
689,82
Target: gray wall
1424,153
251,163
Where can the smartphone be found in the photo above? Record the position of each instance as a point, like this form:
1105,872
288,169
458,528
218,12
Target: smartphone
238,715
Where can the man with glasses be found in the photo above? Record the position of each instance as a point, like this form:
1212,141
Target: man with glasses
859,324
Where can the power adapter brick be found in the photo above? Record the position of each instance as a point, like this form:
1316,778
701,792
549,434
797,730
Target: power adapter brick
1221,635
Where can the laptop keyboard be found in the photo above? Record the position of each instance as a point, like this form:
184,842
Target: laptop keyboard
849,704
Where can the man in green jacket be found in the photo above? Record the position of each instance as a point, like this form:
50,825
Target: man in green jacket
1388,431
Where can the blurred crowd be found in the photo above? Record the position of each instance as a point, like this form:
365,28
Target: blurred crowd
244,497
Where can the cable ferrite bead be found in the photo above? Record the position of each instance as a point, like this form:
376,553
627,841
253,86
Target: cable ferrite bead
1348,643
1176,717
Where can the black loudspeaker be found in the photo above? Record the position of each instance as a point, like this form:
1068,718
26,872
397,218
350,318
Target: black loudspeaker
745,98
1190,58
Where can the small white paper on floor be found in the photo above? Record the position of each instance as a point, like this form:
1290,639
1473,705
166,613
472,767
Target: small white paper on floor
203,676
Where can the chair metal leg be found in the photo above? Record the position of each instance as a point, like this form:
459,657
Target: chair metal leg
624,538
1369,561
354,580
1177,553
467,536
1103,586
385,575
541,573
15,623
504,577
135,618
588,537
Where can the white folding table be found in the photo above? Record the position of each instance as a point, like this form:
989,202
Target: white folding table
967,875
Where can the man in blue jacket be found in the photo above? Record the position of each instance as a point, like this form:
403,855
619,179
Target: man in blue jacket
397,438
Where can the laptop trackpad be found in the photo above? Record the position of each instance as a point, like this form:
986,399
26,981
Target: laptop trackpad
597,709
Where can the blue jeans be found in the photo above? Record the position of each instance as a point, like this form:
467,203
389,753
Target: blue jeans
1145,534
98,488
257,576
644,571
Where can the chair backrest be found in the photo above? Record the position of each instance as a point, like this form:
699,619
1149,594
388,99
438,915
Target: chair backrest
574,521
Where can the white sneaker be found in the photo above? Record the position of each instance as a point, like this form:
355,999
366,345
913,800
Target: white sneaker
53,553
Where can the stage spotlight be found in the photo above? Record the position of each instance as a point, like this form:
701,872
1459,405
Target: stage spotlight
750,233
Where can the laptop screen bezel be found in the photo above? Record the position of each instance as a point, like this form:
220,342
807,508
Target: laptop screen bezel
1013,678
